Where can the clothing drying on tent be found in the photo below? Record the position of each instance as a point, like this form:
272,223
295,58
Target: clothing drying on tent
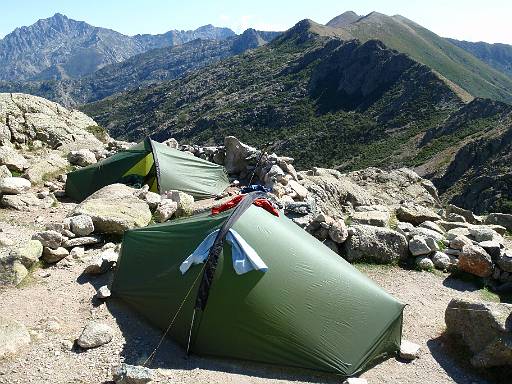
308,308
149,162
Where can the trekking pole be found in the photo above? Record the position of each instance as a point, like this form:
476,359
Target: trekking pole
263,152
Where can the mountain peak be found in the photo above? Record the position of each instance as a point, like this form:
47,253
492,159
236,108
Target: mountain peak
306,29
344,19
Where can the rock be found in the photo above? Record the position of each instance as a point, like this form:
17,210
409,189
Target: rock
503,219
49,239
94,335
45,165
81,225
82,157
404,228
442,261
459,242
452,252
12,271
456,232
332,245
131,374
418,246
51,256
416,214
426,233
432,226
103,292
14,185
26,202
13,337
102,262
165,210
29,253
172,143
455,217
114,209
485,328
448,225
465,213
493,248
80,241
12,159
238,155
424,263
301,191
504,261
409,350
375,218
6,241
4,172
338,231
473,259
153,199
77,253
184,201
381,245
481,233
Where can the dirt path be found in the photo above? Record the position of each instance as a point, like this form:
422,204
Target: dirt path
65,297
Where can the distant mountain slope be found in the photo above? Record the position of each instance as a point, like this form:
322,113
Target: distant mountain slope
324,100
147,68
62,48
424,46
498,56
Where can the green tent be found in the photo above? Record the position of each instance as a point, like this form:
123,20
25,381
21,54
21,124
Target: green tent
152,163
310,309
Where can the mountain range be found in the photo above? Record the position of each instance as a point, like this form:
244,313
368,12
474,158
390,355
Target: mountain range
360,91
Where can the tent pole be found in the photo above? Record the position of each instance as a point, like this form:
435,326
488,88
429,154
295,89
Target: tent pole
190,330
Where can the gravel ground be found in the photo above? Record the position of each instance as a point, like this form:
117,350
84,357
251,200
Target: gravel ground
65,297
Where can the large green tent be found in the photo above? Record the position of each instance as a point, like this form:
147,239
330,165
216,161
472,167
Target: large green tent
310,309
149,162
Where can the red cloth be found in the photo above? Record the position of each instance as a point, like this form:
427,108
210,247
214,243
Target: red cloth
262,203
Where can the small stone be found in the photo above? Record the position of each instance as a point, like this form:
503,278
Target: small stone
77,252
131,374
424,263
50,239
441,261
103,292
14,185
81,225
338,231
79,241
409,351
95,334
51,255
459,242
165,210
418,246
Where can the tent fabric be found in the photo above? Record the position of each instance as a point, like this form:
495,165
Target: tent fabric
152,163
310,309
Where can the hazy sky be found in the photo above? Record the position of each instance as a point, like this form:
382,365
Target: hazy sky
474,20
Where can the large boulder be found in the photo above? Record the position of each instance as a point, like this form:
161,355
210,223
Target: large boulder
13,337
486,328
375,244
238,155
50,164
416,214
418,246
12,159
81,225
12,271
375,218
504,261
29,253
503,219
114,209
82,157
14,185
26,202
468,216
473,259
49,238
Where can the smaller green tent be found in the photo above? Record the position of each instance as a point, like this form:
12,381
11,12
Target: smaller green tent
152,163
310,309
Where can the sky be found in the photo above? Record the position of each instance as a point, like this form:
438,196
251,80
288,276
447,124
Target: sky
472,20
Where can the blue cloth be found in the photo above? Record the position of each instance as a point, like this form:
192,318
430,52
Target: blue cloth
254,188
245,258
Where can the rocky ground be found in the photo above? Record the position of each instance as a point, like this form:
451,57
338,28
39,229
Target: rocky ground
57,259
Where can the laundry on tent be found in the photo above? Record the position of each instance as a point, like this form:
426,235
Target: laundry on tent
160,167
307,308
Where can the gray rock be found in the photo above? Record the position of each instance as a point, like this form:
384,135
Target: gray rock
114,209
409,350
418,246
404,228
442,261
452,252
375,218
505,261
95,334
4,172
13,337
82,157
51,163
377,244
50,239
131,374
468,216
503,219
81,241
172,143
447,225
12,271
338,231
416,214
459,242
77,253
29,253
14,185
484,328
81,225
332,245
455,232
184,201
493,248
455,217
165,210
426,233
481,233
424,263
12,159
432,226
51,256
25,202
473,259
153,199
237,155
